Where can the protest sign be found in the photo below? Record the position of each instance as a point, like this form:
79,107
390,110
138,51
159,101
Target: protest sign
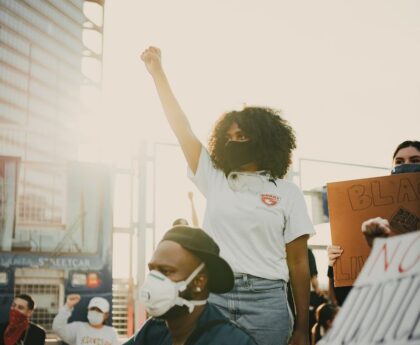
384,305
395,197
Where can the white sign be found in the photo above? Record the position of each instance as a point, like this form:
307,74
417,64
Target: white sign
383,307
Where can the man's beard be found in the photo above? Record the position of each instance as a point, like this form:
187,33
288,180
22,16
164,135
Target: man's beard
178,311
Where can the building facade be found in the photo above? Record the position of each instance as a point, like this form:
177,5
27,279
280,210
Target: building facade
44,48
48,50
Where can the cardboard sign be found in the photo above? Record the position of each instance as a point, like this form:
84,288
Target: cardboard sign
395,197
384,305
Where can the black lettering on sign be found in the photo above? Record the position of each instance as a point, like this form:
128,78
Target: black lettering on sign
394,289
406,191
352,307
370,315
395,308
362,197
352,328
403,327
378,198
383,314
359,200
355,264
404,221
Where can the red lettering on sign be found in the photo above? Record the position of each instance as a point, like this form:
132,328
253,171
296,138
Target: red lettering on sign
387,262
402,269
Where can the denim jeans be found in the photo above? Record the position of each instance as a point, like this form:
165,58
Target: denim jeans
260,306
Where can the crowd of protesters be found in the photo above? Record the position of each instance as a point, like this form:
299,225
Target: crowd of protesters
245,277
258,219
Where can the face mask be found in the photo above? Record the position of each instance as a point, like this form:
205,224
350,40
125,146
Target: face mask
239,153
95,318
405,168
17,325
159,293
245,181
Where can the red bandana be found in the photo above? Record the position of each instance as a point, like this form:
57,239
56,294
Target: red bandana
18,324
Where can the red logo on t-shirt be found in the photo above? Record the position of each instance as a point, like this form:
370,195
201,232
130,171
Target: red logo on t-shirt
269,200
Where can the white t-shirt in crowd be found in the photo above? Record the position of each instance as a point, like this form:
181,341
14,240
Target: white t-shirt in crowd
251,218
81,333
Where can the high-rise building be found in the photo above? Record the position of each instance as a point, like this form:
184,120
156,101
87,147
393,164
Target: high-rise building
50,58
50,54
43,48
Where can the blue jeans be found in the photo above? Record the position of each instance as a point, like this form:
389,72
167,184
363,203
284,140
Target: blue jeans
260,306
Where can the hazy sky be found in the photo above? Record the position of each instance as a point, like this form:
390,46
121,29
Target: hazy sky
345,73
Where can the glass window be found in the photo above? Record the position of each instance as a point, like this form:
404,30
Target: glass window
75,13
42,39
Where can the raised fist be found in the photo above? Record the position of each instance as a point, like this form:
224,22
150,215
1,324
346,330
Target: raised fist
152,59
72,300
376,227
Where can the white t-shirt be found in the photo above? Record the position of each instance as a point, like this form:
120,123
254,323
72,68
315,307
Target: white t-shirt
251,218
81,333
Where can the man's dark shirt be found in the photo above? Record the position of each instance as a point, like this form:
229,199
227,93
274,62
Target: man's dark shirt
155,332
35,336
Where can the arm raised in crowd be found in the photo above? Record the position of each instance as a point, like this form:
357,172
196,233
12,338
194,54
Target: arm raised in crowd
179,123
194,217
376,227
66,331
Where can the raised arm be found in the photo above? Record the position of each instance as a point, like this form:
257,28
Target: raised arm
194,217
66,331
376,227
179,123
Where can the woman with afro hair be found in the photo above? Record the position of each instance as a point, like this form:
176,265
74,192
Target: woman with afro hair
259,220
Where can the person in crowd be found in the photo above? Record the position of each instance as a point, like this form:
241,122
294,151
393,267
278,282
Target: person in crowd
180,222
184,269
80,333
406,159
336,294
313,271
317,296
259,220
194,217
19,330
325,314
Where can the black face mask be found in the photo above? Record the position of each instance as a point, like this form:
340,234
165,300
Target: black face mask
239,153
405,168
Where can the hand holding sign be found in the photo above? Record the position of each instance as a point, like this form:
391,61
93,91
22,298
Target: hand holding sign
334,252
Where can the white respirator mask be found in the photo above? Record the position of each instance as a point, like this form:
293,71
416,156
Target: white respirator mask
159,294
95,318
